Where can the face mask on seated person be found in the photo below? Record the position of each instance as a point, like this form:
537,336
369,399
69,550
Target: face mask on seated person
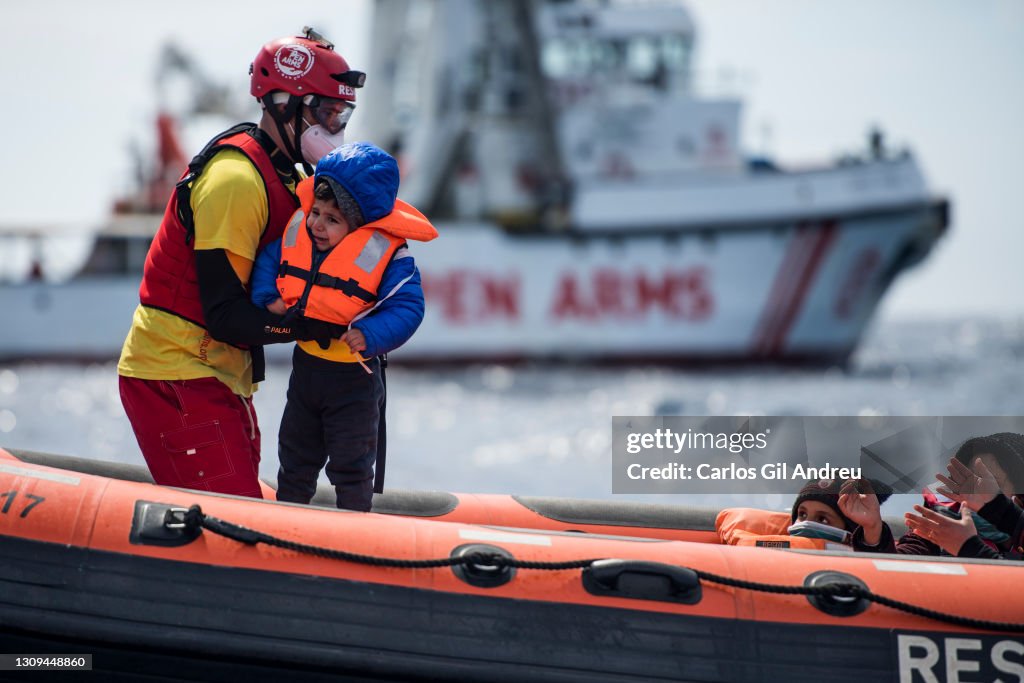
809,529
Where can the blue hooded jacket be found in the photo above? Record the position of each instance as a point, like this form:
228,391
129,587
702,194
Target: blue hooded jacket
370,176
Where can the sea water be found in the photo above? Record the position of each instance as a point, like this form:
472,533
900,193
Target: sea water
546,429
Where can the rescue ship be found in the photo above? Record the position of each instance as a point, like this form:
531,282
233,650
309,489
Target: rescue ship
189,585
592,204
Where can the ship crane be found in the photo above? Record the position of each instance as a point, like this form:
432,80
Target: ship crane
207,96
178,80
459,98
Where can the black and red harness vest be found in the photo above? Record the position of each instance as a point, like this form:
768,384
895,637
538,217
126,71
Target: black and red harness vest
169,281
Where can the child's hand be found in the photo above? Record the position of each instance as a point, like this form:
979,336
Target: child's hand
862,508
355,339
945,532
973,489
277,306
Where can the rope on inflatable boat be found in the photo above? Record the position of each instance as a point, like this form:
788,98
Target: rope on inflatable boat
194,519
850,590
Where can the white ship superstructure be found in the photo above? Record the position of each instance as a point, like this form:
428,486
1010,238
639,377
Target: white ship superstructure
591,203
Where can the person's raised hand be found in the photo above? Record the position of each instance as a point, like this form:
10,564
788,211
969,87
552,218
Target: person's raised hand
862,508
974,488
947,533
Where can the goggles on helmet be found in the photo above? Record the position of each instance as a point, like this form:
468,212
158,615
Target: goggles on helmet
331,113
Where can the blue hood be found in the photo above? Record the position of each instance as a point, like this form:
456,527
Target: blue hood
367,172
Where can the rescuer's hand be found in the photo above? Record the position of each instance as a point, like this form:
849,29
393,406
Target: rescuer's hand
310,329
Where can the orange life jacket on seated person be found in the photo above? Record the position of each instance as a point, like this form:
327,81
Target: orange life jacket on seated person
345,284
764,529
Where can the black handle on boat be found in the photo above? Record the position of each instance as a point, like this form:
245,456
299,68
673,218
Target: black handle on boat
160,524
836,603
484,566
642,580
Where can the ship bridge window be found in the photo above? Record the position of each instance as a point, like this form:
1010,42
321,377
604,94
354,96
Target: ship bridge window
651,59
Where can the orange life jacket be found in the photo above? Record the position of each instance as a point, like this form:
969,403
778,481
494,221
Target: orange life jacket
345,284
764,529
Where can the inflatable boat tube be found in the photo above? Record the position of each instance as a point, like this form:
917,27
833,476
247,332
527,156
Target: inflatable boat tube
185,585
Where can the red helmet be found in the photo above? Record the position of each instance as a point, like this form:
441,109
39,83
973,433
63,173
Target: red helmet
303,65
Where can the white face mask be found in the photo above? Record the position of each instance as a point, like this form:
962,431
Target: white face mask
316,142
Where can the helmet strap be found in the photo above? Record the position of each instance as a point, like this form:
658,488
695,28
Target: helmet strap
292,113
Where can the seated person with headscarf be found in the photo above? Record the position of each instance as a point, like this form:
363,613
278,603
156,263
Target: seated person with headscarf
986,479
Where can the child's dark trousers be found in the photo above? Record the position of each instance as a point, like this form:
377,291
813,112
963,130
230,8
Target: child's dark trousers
331,417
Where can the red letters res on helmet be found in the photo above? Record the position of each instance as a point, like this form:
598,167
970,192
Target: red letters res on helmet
303,65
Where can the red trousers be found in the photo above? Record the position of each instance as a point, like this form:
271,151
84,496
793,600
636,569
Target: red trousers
195,434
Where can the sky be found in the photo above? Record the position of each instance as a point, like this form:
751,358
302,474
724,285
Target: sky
942,77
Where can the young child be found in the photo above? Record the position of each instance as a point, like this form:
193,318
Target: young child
852,505
343,259
986,478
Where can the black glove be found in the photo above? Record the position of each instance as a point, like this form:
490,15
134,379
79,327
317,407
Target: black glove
311,329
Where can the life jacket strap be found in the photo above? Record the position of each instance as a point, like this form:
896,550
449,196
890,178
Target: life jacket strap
183,188
348,287
286,268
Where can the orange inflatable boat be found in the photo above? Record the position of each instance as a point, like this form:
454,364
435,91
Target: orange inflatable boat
170,584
